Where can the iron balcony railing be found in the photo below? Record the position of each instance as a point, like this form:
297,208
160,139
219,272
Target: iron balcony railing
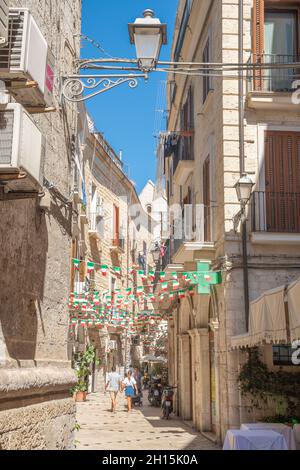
184,151
272,72
277,212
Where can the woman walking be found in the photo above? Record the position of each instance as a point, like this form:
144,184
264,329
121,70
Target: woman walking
129,383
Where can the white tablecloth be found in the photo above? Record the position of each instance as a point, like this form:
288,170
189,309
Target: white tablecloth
254,440
286,431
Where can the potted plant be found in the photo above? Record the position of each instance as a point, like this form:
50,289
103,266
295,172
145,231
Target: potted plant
82,365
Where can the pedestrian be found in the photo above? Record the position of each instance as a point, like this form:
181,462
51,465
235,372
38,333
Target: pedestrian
138,378
113,385
129,383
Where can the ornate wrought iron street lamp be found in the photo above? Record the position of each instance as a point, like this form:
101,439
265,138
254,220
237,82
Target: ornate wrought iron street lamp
148,34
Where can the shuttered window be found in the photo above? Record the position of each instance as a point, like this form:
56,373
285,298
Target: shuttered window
206,78
116,240
275,33
206,200
282,181
3,22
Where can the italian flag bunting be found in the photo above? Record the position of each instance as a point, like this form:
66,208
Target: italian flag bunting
164,286
191,291
117,270
171,295
128,290
162,276
174,276
76,263
103,269
140,290
142,274
151,275
90,267
181,294
175,285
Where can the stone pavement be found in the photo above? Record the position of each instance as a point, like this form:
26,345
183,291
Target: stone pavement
143,429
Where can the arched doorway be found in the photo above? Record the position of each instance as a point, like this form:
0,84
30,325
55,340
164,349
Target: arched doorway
212,335
185,361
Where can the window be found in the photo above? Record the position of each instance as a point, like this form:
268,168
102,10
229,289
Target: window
116,226
206,200
182,30
275,40
206,78
282,355
282,182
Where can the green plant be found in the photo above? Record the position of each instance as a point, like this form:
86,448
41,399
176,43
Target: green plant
263,385
82,362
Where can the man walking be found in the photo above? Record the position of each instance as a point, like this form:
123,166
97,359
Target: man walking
113,385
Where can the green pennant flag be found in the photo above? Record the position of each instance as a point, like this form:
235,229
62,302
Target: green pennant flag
117,269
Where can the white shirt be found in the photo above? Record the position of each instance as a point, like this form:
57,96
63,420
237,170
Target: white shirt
129,382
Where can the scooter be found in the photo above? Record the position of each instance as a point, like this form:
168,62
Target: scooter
167,401
155,393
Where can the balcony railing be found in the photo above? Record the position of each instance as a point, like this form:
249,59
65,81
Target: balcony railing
184,151
275,212
276,79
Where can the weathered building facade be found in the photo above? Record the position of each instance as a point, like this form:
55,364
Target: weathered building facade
36,409
203,170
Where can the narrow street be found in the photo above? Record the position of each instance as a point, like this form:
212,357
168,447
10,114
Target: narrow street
143,429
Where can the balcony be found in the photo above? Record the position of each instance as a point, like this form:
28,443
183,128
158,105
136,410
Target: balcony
117,245
275,217
271,88
95,225
183,161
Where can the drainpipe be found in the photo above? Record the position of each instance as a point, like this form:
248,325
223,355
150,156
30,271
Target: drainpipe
242,158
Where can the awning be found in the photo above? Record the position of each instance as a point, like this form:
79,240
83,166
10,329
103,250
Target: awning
293,295
267,321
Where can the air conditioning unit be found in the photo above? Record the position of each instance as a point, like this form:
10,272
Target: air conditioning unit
3,22
27,59
21,149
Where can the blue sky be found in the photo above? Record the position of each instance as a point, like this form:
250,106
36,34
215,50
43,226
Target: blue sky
127,117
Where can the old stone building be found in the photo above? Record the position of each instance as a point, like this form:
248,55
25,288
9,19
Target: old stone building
202,171
36,409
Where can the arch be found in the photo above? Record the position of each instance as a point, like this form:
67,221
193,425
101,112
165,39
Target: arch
186,318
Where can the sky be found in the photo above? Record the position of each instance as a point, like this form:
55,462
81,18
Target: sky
128,117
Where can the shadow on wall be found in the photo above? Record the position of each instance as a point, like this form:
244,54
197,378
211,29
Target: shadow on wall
24,246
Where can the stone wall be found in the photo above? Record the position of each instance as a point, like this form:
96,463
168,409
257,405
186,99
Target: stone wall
35,268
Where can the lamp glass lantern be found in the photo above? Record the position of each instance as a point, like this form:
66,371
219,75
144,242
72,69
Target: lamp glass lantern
148,34
156,254
244,189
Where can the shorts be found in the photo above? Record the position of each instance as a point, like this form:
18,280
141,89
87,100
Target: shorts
129,392
113,394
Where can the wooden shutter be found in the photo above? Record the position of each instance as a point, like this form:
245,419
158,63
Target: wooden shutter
258,40
206,200
116,226
4,9
282,181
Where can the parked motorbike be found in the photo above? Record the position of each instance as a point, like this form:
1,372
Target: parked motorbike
167,401
155,392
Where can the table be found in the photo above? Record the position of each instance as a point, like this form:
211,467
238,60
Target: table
256,439
283,429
